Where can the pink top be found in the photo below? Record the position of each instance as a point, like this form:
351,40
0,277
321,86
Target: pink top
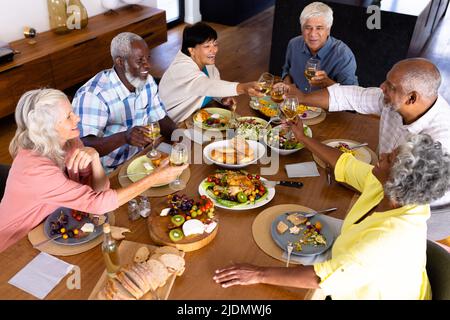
36,187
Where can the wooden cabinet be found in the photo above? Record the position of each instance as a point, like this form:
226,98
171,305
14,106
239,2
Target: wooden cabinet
62,61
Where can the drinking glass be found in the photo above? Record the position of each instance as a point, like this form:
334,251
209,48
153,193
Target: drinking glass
277,94
289,107
312,65
154,133
265,81
178,157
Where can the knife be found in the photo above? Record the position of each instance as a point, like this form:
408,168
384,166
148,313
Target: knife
310,214
294,184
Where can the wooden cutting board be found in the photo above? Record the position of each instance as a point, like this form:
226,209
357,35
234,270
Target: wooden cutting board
157,227
127,249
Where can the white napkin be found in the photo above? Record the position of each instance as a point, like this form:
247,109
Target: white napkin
41,275
303,169
335,226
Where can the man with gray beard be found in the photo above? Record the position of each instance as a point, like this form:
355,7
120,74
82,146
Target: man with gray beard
116,104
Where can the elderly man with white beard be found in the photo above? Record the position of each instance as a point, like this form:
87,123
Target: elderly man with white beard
116,104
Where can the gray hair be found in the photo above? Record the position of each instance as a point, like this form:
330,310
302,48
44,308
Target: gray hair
36,115
422,76
317,9
121,44
420,173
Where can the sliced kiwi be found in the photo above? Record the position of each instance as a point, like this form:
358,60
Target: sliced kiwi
177,220
176,235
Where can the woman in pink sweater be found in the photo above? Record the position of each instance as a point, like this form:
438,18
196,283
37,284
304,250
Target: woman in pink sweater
53,169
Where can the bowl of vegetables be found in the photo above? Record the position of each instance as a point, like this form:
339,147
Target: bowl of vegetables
281,140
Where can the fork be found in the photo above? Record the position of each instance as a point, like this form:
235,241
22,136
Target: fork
290,247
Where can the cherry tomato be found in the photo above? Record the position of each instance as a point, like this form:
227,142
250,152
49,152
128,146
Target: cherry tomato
257,177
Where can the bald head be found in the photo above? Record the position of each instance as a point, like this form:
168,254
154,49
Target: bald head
419,75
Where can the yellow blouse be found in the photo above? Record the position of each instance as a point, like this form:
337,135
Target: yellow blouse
383,256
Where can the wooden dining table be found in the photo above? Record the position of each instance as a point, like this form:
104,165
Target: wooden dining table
234,242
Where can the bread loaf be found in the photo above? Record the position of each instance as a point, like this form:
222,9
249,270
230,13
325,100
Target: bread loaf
134,280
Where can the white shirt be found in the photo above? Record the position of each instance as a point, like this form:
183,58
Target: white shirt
183,87
435,122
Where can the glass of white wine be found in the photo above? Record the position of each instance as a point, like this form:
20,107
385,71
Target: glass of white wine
265,82
312,65
178,157
289,107
154,133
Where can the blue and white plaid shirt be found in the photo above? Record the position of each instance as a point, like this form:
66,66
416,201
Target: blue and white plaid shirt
106,107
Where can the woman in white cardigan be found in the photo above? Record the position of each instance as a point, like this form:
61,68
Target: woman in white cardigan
192,80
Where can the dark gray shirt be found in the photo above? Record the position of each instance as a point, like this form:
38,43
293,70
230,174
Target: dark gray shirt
336,59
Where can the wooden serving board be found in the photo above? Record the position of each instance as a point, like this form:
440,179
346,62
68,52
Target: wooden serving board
157,227
127,250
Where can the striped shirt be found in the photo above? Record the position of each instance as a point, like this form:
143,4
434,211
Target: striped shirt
106,107
435,122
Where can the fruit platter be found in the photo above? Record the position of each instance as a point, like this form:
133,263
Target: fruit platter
187,223
71,227
236,190
215,119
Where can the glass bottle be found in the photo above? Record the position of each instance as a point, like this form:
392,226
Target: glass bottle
57,13
82,14
110,251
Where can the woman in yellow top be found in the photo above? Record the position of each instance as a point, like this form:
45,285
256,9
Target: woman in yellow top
381,251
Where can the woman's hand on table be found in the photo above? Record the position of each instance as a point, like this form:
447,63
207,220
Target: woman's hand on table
238,274
81,158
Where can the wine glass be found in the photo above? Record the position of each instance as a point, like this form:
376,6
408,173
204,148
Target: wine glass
154,133
312,65
289,107
178,157
277,94
265,81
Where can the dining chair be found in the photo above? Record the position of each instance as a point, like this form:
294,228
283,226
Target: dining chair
4,170
438,262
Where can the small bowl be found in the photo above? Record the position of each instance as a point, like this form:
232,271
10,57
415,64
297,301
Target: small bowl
285,152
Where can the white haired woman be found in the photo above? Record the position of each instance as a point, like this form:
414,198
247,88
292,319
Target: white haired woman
52,168
381,251
337,62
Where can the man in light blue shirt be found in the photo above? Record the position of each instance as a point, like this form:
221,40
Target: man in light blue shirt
116,104
337,62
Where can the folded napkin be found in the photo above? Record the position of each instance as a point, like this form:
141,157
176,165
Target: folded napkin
303,169
41,275
335,226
